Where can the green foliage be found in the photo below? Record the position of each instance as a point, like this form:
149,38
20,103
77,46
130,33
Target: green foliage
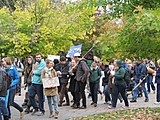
42,26
141,34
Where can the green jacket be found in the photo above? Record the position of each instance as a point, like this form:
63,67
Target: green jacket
95,75
119,73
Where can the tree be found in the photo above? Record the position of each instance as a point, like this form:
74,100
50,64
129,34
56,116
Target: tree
141,34
39,26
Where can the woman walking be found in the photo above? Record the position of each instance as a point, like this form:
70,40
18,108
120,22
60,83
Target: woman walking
51,93
12,71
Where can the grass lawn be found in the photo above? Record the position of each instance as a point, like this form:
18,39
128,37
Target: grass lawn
129,114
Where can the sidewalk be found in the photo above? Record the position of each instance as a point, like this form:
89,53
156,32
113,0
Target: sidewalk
68,112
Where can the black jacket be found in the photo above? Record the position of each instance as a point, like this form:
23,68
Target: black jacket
64,69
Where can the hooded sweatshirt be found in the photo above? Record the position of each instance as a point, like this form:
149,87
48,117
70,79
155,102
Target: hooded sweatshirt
119,73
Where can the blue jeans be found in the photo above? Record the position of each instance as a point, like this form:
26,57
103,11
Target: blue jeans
135,92
149,81
55,102
107,94
33,90
12,94
3,108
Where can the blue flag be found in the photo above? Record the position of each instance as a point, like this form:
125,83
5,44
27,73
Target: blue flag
73,50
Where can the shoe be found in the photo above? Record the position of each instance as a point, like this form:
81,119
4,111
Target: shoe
27,111
83,107
34,111
125,107
56,115
51,115
59,105
24,104
76,106
146,100
133,101
73,105
109,103
67,104
120,100
92,103
110,107
41,113
95,104
157,103
21,115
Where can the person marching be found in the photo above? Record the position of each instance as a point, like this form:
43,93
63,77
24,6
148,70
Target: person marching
12,71
36,87
119,85
52,92
82,74
94,80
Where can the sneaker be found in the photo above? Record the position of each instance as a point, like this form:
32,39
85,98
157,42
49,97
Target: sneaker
56,115
109,102
92,103
27,111
133,101
41,113
146,100
157,103
51,115
24,104
95,105
72,105
125,107
110,107
67,104
83,107
76,106
34,111
21,115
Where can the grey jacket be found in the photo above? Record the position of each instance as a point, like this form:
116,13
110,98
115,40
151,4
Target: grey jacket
82,72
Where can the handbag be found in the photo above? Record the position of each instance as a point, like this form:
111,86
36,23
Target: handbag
50,82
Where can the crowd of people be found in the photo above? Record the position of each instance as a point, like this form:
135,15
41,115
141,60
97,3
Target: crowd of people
74,75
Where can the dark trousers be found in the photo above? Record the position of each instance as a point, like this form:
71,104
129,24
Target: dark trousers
149,80
158,92
36,89
63,93
120,88
12,94
94,91
80,93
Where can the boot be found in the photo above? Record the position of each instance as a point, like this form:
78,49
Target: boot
56,115
51,114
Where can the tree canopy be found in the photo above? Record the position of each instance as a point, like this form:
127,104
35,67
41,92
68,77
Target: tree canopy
116,27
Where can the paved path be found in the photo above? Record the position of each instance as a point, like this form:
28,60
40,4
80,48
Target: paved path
68,112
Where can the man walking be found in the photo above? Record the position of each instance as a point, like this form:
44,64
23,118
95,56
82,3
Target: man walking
82,74
37,86
140,71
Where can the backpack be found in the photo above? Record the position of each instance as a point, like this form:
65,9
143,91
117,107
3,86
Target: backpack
5,80
127,76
